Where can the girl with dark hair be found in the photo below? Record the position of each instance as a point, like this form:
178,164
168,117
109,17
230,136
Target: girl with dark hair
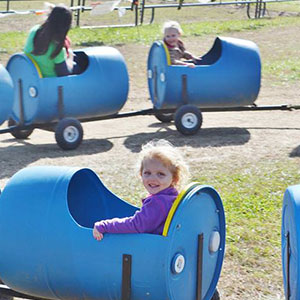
46,43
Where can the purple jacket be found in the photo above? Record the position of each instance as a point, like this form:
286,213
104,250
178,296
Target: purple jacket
149,219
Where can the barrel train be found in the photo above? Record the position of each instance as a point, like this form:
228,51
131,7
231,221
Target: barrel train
227,79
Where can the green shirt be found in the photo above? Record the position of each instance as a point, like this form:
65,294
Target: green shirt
44,61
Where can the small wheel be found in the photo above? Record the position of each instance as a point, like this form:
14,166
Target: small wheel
188,119
68,134
17,133
4,297
216,295
164,117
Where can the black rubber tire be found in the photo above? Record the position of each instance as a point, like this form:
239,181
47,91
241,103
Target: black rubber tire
17,133
188,119
4,297
216,295
164,117
68,134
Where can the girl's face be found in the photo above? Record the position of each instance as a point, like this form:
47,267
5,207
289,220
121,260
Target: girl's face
171,36
156,177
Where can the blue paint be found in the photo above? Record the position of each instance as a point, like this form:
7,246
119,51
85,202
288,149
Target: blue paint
6,98
229,76
47,249
100,90
291,226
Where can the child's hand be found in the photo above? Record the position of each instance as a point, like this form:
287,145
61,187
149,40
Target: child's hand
190,65
197,60
96,234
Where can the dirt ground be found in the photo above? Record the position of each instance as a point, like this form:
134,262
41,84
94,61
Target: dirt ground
231,139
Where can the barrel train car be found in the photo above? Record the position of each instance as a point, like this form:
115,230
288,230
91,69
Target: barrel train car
290,242
58,103
228,77
55,209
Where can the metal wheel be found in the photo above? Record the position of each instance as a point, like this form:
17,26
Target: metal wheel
68,133
18,133
188,119
164,117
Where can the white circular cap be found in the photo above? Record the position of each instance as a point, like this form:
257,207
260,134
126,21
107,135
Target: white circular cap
32,92
189,120
214,241
178,263
71,134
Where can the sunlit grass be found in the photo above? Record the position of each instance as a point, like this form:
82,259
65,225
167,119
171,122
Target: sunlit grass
147,34
285,69
252,198
281,69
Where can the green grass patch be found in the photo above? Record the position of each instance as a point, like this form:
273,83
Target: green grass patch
11,42
148,34
252,199
280,70
284,7
285,69
14,41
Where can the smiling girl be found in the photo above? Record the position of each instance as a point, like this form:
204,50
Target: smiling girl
163,171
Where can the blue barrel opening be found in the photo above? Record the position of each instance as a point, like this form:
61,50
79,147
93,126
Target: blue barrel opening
229,76
90,201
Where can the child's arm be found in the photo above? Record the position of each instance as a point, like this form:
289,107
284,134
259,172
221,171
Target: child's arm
152,214
188,55
183,63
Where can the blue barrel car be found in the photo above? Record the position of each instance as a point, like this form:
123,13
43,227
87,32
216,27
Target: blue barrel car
6,92
228,76
290,242
47,249
60,103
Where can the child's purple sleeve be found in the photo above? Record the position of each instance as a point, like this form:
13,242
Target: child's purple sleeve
150,217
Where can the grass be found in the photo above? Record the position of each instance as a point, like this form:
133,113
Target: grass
147,34
287,69
252,198
282,69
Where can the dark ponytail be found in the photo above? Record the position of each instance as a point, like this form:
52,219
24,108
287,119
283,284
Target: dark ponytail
54,29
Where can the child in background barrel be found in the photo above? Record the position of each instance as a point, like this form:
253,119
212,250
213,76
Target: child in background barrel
172,32
46,44
163,171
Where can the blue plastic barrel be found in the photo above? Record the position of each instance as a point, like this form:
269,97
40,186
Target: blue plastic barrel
290,242
47,248
229,76
100,90
6,94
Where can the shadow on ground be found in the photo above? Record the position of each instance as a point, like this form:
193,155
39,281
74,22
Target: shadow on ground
206,137
22,153
295,152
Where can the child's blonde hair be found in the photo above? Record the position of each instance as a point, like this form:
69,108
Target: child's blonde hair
169,156
172,24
